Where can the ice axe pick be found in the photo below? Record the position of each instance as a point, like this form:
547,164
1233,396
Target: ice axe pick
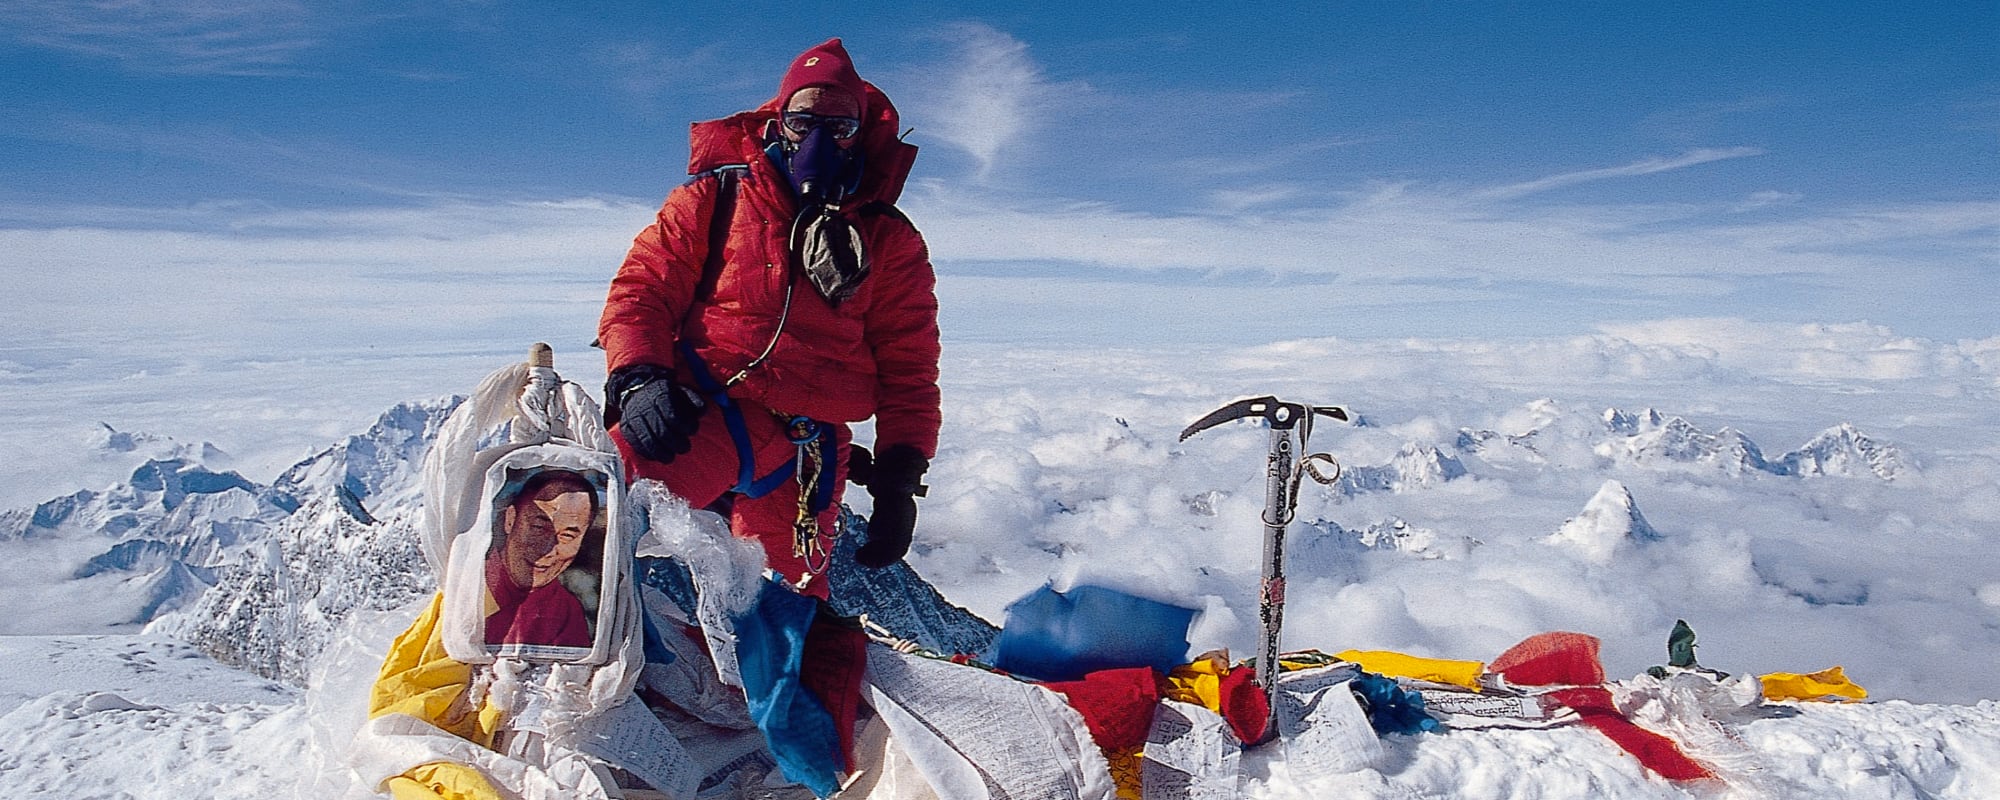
1282,472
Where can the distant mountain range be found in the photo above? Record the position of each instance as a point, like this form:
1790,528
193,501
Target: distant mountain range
261,576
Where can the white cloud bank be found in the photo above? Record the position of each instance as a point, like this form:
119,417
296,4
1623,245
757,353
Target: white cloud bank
1062,460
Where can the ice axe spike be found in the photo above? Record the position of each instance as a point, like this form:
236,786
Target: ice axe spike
1281,482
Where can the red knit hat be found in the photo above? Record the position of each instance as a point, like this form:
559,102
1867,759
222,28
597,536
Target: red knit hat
824,65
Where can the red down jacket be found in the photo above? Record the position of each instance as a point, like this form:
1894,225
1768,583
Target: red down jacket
874,355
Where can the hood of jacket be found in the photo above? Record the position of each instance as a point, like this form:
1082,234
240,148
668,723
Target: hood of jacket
739,139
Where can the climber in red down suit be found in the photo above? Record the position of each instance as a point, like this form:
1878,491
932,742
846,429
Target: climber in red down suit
778,297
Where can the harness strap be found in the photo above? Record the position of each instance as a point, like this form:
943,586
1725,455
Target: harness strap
803,432
718,225
747,482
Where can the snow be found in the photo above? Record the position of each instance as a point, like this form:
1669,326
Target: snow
141,669
1803,496
1885,750
129,717
103,746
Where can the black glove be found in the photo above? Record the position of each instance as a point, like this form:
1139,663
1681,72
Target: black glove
656,414
895,481
860,465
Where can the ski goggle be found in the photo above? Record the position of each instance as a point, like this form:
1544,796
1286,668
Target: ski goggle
802,123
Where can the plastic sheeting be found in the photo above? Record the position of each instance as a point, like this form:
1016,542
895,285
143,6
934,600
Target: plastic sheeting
1830,685
1399,665
1557,658
1062,636
727,571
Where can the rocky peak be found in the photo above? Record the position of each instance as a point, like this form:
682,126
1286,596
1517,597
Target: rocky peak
1844,451
1608,524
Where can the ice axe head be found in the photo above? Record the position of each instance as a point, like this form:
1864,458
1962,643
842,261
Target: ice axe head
1282,416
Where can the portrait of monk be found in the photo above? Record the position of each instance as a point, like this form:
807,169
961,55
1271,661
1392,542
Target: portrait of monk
542,531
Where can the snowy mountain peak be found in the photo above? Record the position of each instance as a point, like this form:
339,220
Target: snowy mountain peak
1427,465
163,531
1845,451
1532,416
47,516
378,465
170,482
279,600
1655,440
1620,421
1399,535
155,495
1413,467
105,437
1609,522
1328,549
109,440
172,586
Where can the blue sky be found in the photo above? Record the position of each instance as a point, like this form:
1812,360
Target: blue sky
1148,172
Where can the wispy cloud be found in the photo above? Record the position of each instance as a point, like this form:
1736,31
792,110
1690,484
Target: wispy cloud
1417,257
1408,231
1703,120
649,72
984,99
1253,160
1767,199
1408,255
225,37
299,161
1646,166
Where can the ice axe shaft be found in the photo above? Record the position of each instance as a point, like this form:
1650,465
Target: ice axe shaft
1281,481
1278,502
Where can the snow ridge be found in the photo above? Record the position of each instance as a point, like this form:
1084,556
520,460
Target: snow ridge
261,576
1390,535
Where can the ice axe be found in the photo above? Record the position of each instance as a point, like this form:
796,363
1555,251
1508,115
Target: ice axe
1282,472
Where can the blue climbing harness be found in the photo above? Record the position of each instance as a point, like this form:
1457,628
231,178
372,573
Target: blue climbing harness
805,433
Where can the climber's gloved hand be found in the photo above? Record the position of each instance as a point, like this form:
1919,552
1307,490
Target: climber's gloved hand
860,465
895,481
654,412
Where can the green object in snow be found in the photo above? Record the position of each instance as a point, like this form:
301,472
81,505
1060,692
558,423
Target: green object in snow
1680,646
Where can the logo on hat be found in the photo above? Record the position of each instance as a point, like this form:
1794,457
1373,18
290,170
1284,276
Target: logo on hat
812,61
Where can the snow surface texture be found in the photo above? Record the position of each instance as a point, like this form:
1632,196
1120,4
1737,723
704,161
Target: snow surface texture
1803,497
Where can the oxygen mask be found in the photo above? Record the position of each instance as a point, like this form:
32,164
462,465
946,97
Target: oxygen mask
821,169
